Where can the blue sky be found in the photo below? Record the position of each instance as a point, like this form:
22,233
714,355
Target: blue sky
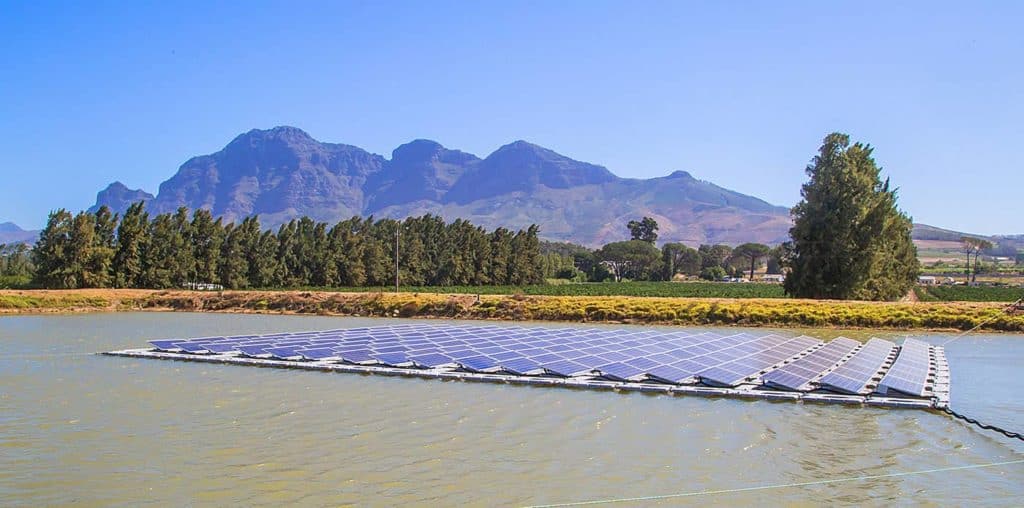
738,93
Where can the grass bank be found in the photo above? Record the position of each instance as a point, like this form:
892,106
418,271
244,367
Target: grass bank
598,309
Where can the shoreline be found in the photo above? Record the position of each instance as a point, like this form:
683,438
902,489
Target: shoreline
779,313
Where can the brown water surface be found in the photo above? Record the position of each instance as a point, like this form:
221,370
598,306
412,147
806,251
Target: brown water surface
78,428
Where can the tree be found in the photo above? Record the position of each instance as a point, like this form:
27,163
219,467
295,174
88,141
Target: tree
52,252
753,252
207,237
972,245
645,230
678,258
778,257
713,273
633,259
850,241
132,238
16,261
714,255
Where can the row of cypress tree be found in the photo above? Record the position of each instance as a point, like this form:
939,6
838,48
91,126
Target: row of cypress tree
100,249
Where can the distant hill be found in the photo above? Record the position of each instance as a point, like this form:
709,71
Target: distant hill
283,173
923,234
12,233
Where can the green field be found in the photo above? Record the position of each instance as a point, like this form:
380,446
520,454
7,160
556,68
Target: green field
664,289
970,294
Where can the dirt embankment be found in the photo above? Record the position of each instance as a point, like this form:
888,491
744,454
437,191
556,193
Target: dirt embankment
607,309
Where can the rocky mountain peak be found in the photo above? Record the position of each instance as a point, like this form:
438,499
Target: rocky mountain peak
118,197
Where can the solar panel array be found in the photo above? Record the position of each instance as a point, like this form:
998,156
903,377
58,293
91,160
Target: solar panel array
856,375
909,373
640,355
773,350
796,375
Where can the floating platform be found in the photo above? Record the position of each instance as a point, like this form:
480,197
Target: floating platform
773,366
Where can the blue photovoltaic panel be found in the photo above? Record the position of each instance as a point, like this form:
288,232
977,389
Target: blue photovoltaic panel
857,374
567,368
192,347
740,370
391,358
656,355
220,347
283,352
797,374
431,360
520,366
357,356
909,373
253,350
478,363
318,354
166,345
619,371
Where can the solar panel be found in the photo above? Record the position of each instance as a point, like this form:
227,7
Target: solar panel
619,371
254,350
857,374
166,345
283,353
798,374
910,372
478,363
740,370
652,355
319,354
393,359
567,368
431,360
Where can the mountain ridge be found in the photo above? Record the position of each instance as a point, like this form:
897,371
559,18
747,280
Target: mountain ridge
283,173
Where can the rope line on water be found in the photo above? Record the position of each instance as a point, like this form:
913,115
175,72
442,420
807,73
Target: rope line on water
972,421
778,486
986,321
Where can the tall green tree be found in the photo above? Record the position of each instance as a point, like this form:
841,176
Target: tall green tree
645,230
234,267
132,238
973,245
850,241
207,237
52,254
752,252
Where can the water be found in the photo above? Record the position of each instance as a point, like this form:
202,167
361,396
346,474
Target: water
97,431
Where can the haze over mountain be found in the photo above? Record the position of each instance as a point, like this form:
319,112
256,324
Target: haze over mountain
283,173
12,233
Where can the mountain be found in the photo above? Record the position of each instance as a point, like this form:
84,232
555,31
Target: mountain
118,197
926,236
419,170
283,173
12,233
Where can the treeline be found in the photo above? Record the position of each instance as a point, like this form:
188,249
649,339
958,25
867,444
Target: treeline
178,250
639,259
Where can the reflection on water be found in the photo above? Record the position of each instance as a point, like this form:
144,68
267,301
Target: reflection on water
81,428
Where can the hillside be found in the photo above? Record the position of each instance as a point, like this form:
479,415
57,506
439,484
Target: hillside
283,173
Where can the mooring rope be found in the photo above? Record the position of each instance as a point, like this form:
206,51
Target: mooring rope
986,321
972,421
778,486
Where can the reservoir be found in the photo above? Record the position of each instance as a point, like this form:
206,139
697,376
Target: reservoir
76,427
